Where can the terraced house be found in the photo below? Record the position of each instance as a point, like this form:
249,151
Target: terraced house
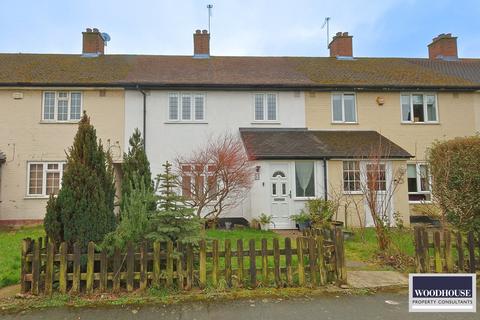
308,124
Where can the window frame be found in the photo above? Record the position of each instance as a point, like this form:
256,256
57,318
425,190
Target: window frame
265,108
359,191
419,183
425,108
342,94
193,96
385,173
55,107
314,180
45,170
206,175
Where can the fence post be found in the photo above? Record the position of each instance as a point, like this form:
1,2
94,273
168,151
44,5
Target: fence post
117,268
90,265
156,263
143,267
471,252
169,281
240,266
265,279
426,249
62,276
180,255
103,270
419,253
228,262
76,268
300,261
438,257
36,261
49,268
321,260
215,262
461,262
276,262
189,266
448,250
253,267
340,256
25,249
288,260
203,264
311,261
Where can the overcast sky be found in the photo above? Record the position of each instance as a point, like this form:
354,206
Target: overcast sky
384,28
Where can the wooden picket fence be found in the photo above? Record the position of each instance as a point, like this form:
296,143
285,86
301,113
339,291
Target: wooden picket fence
307,261
446,251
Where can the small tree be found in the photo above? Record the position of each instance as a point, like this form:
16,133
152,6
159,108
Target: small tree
378,191
455,169
83,209
174,220
217,176
136,171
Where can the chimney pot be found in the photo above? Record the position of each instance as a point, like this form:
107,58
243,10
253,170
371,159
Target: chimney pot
443,46
93,42
201,44
341,45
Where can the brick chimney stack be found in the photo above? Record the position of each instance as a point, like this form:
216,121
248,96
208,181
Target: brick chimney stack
93,42
341,45
201,44
443,46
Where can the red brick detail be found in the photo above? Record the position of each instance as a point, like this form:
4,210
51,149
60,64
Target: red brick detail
444,45
93,42
20,222
341,45
201,42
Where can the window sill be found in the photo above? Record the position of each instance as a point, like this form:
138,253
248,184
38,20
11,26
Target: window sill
352,193
185,122
266,122
39,197
420,123
59,122
303,198
348,123
420,202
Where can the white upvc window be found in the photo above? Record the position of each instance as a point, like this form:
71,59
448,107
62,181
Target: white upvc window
62,106
376,175
419,182
265,107
344,108
351,176
198,179
304,179
186,107
44,178
419,107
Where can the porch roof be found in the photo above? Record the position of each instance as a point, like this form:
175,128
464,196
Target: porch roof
301,143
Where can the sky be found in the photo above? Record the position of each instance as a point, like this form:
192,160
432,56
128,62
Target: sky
380,28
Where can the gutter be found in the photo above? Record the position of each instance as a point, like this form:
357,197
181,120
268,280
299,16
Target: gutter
144,131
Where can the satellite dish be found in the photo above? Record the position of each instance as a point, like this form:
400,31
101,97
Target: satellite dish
105,36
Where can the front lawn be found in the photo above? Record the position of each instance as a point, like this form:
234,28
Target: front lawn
10,251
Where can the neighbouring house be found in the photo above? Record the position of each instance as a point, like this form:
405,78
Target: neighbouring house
308,124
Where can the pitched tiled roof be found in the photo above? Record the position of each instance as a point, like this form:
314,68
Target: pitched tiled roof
300,143
274,72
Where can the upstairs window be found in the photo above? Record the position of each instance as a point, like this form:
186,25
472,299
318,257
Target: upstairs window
343,108
44,178
418,182
186,107
265,107
419,108
62,106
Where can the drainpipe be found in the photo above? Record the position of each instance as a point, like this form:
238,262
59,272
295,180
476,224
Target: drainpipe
325,178
144,118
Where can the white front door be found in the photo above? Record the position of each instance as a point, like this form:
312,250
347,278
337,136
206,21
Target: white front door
379,177
280,195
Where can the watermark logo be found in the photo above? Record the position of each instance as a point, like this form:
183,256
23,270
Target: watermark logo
434,292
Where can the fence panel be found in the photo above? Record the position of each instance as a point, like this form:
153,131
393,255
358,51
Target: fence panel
308,261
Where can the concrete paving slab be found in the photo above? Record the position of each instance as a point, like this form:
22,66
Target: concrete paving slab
375,279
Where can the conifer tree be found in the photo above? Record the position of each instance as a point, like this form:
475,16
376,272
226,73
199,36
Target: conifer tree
174,220
136,170
83,209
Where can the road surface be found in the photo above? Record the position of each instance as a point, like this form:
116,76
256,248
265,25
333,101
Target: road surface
380,306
